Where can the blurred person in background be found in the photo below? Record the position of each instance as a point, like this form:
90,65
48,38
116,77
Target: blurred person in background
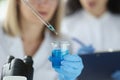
22,34
94,25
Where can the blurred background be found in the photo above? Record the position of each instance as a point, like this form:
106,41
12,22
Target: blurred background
3,7
94,34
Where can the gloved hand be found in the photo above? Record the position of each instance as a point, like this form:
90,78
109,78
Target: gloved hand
71,67
86,49
116,75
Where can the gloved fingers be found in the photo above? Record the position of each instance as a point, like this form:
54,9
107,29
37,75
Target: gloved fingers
58,70
91,48
116,75
70,76
74,65
86,49
73,61
72,57
68,69
65,74
81,51
70,72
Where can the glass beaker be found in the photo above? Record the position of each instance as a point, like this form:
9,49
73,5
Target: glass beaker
59,50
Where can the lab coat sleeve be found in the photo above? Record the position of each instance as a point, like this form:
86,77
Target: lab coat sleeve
3,55
64,26
3,58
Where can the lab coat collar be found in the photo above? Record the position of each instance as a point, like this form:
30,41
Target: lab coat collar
90,17
16,48
43,52
41,55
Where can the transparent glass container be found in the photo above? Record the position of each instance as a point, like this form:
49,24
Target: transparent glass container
59,50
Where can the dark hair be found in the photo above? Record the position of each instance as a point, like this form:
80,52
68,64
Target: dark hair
74,5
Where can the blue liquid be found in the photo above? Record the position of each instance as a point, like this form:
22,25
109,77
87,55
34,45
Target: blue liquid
58,56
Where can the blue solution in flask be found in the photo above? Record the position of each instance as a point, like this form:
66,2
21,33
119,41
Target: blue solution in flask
60,49
56,55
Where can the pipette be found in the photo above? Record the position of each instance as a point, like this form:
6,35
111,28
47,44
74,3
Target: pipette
36,13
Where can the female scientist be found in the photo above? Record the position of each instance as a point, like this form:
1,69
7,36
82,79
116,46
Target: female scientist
94,24
22,34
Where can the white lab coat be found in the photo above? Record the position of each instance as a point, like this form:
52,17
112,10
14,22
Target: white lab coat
103,33
42,66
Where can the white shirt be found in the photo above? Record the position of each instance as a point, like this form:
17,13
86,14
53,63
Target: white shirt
42,66
103,33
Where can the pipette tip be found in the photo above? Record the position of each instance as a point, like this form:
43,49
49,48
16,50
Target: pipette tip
56,32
